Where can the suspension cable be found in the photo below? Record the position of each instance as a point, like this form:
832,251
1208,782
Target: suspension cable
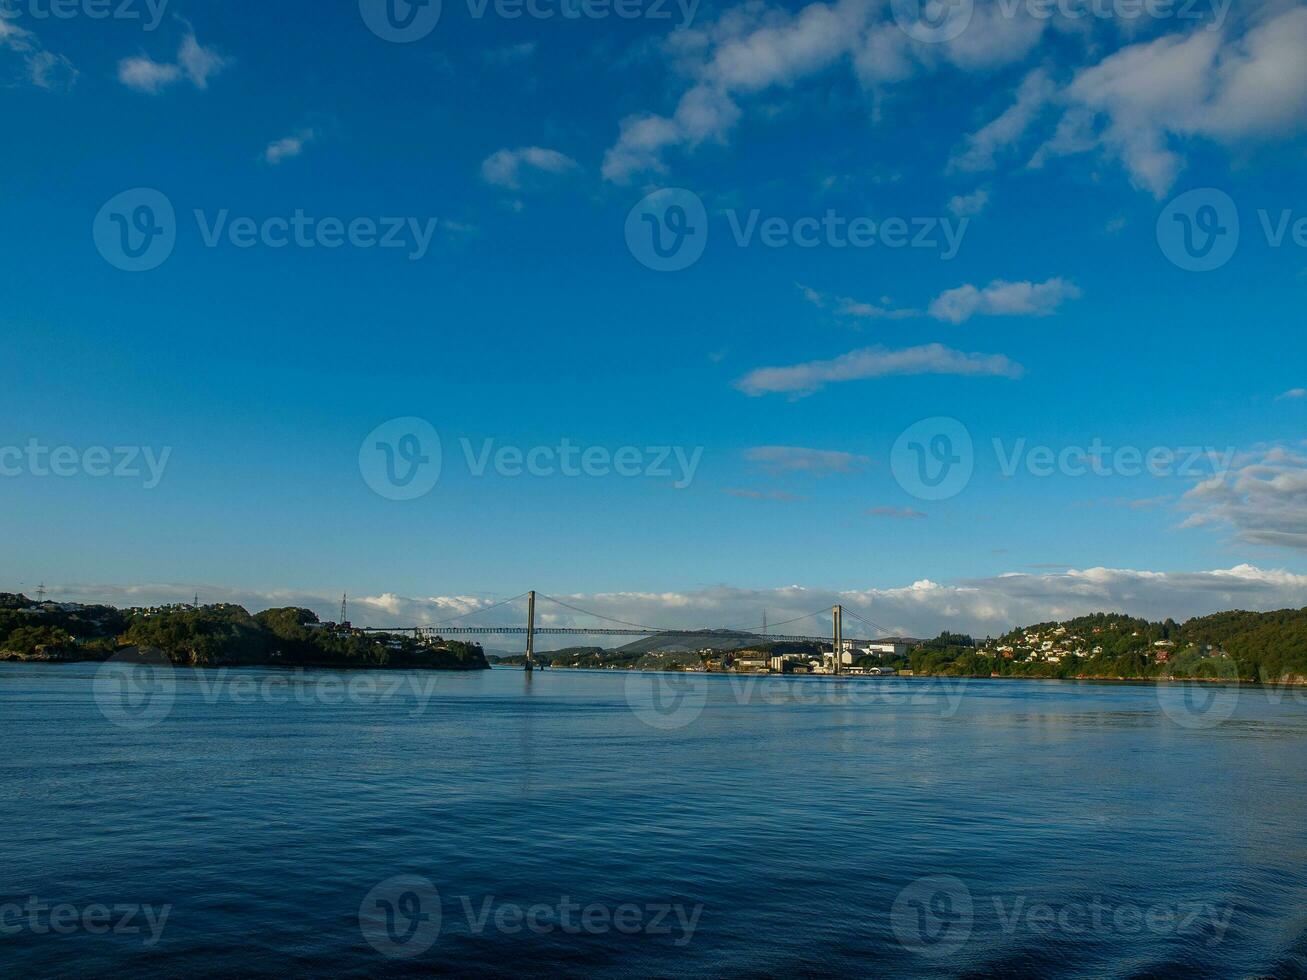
474,612
610,619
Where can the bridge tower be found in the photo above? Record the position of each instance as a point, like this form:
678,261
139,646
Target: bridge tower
530,628
838,630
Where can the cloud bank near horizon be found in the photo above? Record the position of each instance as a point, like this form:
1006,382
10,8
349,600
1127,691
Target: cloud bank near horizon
982,607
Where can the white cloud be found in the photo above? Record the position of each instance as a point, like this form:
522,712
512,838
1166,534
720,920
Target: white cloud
1141,103
1263,498
1141,91
146,75
51,71
1293,393
780,495
754,48
746,52
194,62
511,54
897,513
288,146
988,606
875,362
969,205
509,168
983,146
789,459
1001,298
859,309
43,68
198,62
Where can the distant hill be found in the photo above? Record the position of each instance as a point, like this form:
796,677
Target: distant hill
651,649
1265,646
692,642
214,635
1253,646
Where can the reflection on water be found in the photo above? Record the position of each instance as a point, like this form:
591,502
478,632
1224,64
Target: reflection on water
505,823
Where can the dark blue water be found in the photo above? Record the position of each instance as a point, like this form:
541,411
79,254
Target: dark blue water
600,823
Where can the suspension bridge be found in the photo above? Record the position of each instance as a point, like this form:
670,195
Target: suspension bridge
617,627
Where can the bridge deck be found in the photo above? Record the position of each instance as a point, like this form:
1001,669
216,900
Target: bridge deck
601,631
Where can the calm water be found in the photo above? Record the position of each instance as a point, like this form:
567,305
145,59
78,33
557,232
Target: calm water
617,825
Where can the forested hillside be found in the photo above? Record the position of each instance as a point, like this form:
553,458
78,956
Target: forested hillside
212,635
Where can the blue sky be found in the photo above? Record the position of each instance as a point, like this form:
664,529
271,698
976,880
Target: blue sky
534,153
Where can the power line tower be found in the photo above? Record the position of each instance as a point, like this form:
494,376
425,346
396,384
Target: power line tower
40,592
344,611
196,603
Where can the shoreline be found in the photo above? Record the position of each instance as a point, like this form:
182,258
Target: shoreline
1233,682
1140,681
311,665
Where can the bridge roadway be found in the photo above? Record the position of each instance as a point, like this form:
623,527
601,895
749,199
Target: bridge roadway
598,631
